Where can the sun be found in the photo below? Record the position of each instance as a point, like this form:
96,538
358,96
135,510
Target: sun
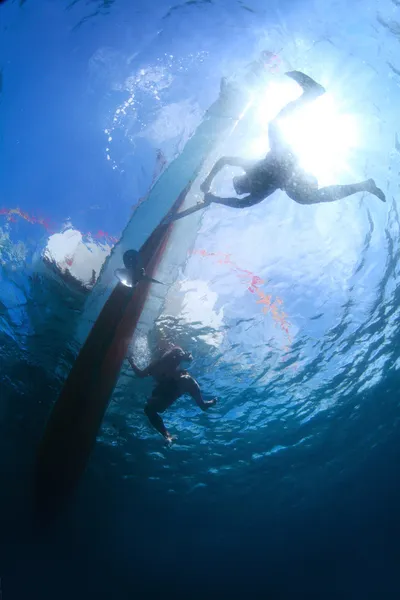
322,134
323,138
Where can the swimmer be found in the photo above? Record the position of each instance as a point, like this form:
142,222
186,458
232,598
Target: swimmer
172,383
280,168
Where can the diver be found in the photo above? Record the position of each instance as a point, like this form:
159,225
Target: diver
280,168
172,383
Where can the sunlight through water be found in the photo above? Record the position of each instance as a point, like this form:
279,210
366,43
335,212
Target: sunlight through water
290,310
322,134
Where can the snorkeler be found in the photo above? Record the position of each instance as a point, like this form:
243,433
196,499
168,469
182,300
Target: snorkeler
172,383
280,168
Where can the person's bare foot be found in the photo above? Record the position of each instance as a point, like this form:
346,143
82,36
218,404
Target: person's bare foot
373,189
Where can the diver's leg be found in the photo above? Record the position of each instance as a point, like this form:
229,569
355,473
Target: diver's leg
311,91
156,420
308,84
304,195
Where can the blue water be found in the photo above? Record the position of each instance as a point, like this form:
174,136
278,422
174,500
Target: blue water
289,488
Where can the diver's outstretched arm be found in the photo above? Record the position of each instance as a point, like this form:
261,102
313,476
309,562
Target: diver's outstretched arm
245,202
185,213
222,162
139,372
147,371
249,200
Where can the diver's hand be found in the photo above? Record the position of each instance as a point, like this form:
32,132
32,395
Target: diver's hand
208,198
205,186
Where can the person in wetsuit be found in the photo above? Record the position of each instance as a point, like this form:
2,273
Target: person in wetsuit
172,383
280,168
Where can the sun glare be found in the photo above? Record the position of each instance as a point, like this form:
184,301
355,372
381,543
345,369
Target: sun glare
322,135
322,138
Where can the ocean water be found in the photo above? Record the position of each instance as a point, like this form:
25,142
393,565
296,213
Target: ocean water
288,487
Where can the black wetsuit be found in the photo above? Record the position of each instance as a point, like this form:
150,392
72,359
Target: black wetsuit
165,393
